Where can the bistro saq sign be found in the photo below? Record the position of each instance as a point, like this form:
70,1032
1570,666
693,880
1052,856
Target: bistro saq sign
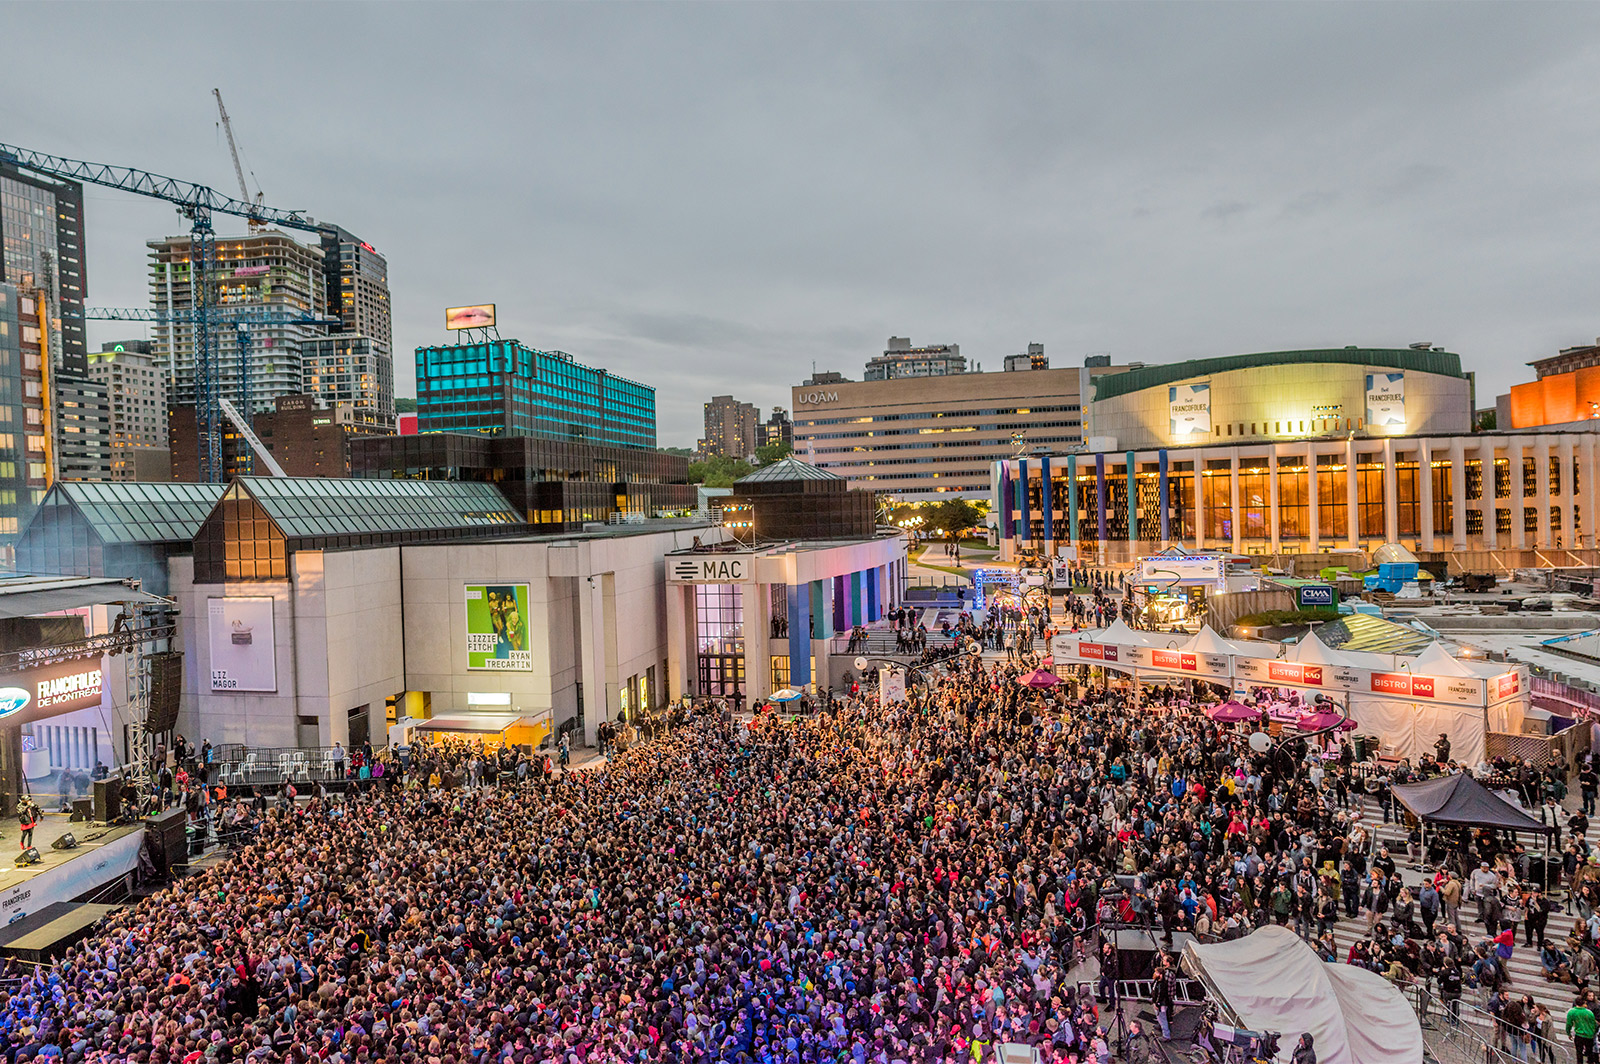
45,692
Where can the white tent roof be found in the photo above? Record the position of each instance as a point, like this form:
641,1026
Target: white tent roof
1206,641
1437,661
1275,982
1121,635
1313,651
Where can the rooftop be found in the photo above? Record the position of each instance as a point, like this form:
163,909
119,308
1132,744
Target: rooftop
310,507
1444,363
136,513
790,468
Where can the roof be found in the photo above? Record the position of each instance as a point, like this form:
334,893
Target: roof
305,507
127,513
28,595
788,469
1460,799
1444,363
1363,633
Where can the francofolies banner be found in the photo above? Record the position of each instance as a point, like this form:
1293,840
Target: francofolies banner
1386,400
1189,409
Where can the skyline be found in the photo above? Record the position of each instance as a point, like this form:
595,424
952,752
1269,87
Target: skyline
710,199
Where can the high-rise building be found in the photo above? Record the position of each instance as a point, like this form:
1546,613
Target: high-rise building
277,283
502,388
25,452
732,428
900,359
1033,358
41,250
136,392
777,429
350,369
357,282
304,437
83,426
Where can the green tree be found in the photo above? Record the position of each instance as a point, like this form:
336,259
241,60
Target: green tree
954,517
681,452
1488,421
769,453
718,472
404,405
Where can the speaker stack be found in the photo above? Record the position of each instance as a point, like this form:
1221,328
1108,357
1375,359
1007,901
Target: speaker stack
166,687
107,799
168,840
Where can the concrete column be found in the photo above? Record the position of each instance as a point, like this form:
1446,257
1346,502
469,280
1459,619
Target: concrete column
1541,489
1273,528
1131,485
597,702
1312,533
681,664
1024,517
858,599
1391,494
1164,495
1006,528
1199,499
1586,476
1072,499
874,604
1100,498
822,620
756,602
1569,522
1458,495
1238,511
1491,529
1047,503
841,605
1425,492
799,635
1514,454
1352,494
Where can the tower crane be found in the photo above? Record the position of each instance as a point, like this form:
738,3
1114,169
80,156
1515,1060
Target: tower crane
197,203
233,150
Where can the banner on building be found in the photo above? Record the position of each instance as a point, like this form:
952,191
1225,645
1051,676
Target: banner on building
1386,400
34,694
1189,409
891,686
244,651
497,627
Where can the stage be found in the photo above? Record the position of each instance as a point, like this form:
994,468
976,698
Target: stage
47,933
63,875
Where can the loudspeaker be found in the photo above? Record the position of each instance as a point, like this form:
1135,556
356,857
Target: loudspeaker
82,810
27,857
167,838
69,841
107,799
166,687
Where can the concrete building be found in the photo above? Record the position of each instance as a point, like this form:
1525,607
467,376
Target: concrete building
83,426
42,254
136,396
307,440
900,359
26,450
792,500
275,281
351,369
732,428
502,388
778,429
1033,358
1304,453
357,281
936,437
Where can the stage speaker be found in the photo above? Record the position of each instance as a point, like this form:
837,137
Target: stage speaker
107,799
27,857
167,838
166,687
69,841
82,810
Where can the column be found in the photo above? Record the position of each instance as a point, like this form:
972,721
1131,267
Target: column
1586,474
1458,494
591,655
1391,494
1199,499
822,632
1164,494
1425,492
1005,504
755,600
1072,499
1491,528
1569,494
1233,495
799,635
1351,494
1047,502
841,604
1313,533
1514,448
869,580
1100,497
1131,481
1541,489
1024,517
1272,499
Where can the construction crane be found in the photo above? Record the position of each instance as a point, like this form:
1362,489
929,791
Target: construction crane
197,203
233,150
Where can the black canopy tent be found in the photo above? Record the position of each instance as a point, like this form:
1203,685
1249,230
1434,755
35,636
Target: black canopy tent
1462,801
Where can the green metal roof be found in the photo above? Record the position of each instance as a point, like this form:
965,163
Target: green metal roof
1443,363
304,507
1373,635
786,470
128,513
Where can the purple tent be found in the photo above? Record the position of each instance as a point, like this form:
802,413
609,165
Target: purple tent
1232,713
1324,719
1039,678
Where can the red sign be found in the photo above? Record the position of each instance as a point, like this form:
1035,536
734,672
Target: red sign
1091,650
1391,683
1174,659
1507,685
1422,687
1290,672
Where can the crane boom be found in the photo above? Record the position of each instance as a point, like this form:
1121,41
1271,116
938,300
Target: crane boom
233,148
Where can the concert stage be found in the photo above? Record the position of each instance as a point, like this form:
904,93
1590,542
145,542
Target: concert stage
46,934
63,875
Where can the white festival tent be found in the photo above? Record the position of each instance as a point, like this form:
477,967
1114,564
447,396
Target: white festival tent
1407,701
1271,981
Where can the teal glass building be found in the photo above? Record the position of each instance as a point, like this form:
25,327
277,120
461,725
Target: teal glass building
502,388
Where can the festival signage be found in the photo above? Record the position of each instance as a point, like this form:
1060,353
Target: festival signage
44,692
1189,409
1386,400
244,655
1508,685
497,627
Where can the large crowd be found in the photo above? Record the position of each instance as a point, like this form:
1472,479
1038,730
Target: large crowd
908,885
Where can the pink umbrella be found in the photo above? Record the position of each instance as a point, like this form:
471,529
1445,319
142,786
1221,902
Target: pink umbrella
1039,678
1232,712
1324,719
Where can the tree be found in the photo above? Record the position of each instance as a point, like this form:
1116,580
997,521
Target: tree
681,452
768,453
404,405
1488,420
954,517
718,471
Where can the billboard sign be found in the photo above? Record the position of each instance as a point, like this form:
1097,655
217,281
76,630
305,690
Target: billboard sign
1187,571
478,317
1313,595
244,653
710,569
44,692
497,627
891,686
1189,409
1386,400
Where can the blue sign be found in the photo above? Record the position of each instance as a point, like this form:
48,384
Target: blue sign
1313,595
13,699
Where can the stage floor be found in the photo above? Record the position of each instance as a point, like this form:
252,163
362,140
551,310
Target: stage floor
50,828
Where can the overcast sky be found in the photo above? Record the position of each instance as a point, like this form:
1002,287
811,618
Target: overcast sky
712,198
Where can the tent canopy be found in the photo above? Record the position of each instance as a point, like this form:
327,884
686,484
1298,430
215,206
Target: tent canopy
1437,661
1313,651
1275,982
1460,799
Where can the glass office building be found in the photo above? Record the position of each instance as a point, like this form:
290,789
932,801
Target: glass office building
502,388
